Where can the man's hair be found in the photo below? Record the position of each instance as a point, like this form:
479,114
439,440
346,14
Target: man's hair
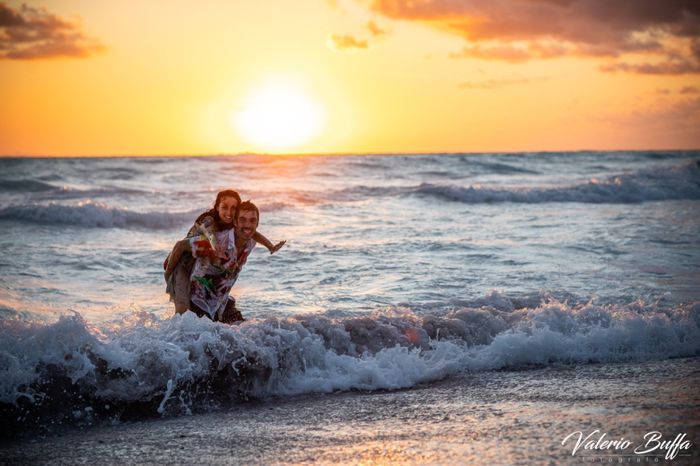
247,206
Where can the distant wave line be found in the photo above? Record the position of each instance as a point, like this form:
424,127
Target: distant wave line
92,214
674,184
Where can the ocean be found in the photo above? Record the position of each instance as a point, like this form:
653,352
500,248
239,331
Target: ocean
426,309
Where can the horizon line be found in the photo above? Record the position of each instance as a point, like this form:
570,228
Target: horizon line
307,154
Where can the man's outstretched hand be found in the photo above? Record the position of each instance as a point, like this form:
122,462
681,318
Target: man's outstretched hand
277,247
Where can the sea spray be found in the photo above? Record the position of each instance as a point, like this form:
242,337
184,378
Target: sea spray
150,366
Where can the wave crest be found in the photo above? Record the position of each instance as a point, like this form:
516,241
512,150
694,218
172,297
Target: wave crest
26,186
673,184
151,366
94,214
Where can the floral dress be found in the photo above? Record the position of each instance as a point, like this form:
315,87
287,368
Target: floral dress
212,276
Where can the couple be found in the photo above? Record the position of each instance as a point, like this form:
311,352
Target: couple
202,268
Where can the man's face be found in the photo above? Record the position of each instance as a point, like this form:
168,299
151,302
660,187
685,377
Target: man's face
246,224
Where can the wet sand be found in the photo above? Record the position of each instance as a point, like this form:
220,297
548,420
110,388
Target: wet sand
501,417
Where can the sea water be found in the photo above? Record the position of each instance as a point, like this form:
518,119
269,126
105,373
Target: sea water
398,270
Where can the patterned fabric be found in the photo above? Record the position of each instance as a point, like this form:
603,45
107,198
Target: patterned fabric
178,283
212,276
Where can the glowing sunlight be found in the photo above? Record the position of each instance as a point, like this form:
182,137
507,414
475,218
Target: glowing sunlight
278,117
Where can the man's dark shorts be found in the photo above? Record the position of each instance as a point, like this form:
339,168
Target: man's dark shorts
230,315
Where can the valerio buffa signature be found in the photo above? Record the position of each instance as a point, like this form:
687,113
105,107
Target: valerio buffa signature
653,443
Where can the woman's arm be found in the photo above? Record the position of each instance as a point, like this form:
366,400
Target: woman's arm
261,239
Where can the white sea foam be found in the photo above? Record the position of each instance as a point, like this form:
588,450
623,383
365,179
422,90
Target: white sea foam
173,365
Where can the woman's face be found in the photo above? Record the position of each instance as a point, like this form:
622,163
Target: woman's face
227,209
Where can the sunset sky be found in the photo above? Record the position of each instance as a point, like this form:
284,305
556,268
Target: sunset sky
161,77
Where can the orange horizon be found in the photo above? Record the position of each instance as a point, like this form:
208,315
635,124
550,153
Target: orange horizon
343,154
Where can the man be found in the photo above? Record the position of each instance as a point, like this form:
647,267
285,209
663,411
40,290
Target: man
216,268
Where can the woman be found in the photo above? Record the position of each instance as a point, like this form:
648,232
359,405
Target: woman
179,263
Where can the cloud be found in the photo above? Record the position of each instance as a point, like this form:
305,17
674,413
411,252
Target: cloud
668,67
33,33
522,30
514,53
375,30
346,42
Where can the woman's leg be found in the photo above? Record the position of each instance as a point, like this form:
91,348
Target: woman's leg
180,248
180,286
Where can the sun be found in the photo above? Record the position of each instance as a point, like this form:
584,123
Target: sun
279,117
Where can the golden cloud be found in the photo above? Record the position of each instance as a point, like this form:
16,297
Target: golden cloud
374,29
346,42
666,32
33,33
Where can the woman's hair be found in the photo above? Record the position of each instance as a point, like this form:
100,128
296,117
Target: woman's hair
214,212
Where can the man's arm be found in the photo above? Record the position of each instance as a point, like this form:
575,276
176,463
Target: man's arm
261,239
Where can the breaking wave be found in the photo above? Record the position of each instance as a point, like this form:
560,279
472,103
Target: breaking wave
92,214
63,191
499,168
70,372
95,215
673,184
25,186
677,183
